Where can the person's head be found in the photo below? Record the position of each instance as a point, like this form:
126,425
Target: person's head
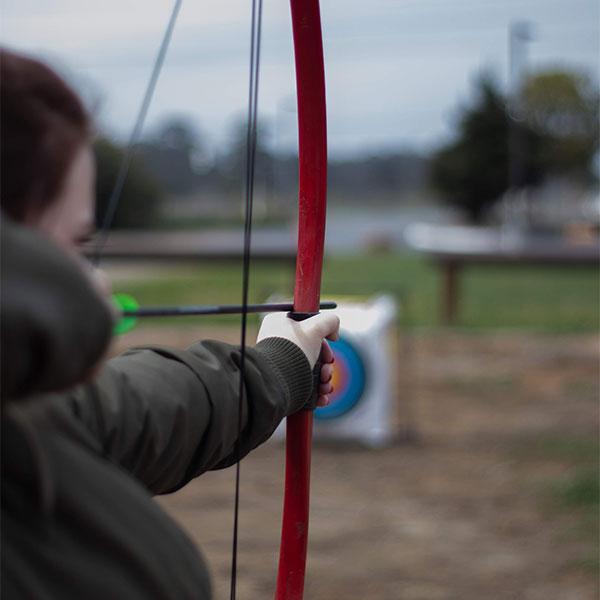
46,159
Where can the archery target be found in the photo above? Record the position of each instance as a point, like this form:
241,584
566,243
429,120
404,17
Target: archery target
362,407
349,378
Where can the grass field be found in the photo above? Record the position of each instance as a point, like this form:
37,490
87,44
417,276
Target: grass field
544,299
575,492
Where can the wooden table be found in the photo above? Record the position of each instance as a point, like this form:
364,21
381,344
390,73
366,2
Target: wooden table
452,248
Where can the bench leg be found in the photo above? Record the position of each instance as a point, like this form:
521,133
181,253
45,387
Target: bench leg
450,273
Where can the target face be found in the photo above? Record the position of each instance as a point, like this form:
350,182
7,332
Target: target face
349,378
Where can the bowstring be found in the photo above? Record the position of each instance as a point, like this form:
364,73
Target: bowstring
255,37
135,135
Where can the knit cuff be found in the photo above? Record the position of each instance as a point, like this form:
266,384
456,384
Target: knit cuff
292,368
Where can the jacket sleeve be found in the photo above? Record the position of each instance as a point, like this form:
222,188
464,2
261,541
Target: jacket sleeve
168,415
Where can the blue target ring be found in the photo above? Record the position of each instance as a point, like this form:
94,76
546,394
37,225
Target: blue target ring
349,381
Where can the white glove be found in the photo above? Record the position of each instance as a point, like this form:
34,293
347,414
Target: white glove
308,335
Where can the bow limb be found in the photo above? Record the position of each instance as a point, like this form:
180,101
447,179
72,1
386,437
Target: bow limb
310,87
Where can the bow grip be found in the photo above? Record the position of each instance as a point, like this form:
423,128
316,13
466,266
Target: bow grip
311,403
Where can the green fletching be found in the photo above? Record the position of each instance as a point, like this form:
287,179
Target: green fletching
125,302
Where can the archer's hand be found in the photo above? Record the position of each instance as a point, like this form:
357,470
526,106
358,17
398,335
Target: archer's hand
309,335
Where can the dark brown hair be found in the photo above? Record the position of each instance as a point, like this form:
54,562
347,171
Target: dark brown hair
43,124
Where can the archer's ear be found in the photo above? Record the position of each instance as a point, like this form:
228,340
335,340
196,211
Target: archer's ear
55,326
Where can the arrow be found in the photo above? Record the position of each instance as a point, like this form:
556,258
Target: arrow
131,311
224,309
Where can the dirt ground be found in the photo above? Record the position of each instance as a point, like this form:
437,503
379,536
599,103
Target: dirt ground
451,511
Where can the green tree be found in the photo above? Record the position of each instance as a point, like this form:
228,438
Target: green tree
562,107
553,132
472,171
141,196
175,156
232,163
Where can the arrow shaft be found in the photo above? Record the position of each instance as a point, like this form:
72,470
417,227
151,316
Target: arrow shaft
226,309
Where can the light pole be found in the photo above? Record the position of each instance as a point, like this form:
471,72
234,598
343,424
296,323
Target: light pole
519,34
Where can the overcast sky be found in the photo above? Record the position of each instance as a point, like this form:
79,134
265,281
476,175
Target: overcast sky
396,69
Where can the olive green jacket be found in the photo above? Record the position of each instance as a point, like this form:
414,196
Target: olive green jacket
79,468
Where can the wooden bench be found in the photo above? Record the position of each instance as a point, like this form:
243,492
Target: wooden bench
452,248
